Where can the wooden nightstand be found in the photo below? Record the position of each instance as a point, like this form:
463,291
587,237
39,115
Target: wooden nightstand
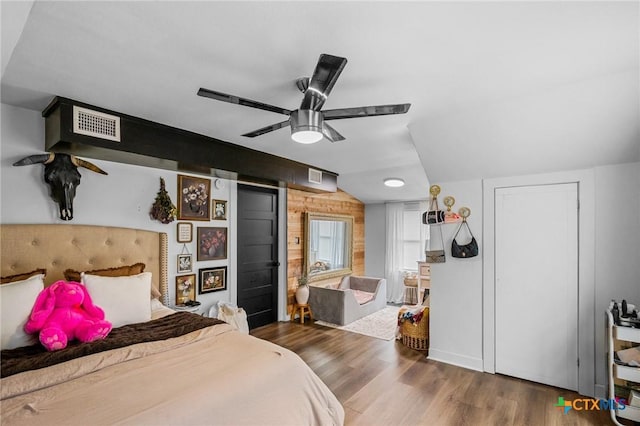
424,279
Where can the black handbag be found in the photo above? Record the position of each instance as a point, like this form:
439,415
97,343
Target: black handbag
467,250
434,215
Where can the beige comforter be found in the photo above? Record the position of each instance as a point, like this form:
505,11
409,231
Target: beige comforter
214,376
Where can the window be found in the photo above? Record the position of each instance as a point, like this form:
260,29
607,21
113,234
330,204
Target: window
331,243
412,239
405,243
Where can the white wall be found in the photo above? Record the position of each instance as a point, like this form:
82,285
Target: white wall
123,198
617,257
455,329
374,239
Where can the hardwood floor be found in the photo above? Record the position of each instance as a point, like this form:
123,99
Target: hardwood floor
386,383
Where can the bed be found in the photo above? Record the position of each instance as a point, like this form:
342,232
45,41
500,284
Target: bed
210,374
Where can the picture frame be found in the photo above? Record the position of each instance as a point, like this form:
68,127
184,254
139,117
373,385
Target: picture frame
212,279
218,210
212,243
185,288
184,232
194,194
185,263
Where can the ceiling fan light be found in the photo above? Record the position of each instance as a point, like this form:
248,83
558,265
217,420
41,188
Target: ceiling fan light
306,136
306,126
394,182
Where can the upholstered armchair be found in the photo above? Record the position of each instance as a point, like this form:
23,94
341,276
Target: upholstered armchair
354,298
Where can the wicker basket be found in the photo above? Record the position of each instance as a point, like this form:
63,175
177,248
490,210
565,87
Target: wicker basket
411,281
416,336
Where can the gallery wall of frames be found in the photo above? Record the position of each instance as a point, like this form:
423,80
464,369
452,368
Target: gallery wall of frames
203,236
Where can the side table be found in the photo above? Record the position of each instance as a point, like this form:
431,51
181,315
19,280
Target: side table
194,309
302,310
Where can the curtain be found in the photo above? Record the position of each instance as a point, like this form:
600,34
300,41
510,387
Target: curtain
394,252
314,242
314,238
425,233
337,244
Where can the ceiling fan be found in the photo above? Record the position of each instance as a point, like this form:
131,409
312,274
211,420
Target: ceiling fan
308,123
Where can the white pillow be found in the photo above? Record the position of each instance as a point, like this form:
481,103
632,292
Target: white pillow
124,300
158,310
156,304
17,301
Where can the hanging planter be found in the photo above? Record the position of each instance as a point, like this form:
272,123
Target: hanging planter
163,210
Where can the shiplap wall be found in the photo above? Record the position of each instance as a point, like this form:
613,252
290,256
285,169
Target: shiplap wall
299,202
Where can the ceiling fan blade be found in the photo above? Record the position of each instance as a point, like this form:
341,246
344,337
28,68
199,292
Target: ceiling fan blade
331,133
219,96
324,77
267,129
366,111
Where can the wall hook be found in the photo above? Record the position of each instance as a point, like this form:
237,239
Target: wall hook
464,212
449,201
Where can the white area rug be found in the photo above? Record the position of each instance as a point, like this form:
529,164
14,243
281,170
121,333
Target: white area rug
381,324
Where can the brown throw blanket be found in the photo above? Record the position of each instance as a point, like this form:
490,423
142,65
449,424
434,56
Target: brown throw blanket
33,357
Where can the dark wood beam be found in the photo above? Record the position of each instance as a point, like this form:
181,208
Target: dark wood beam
151,144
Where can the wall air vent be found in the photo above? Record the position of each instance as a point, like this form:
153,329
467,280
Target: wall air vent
97,124
315,176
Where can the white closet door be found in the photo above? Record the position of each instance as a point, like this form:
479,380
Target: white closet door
536,288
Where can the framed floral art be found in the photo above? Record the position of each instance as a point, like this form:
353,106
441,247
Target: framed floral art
212,279
219,210
212,243
194,198
184,263
185,288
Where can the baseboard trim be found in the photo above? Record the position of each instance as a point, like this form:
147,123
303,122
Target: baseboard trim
455,359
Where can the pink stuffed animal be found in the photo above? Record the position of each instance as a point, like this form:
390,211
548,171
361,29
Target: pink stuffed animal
64,311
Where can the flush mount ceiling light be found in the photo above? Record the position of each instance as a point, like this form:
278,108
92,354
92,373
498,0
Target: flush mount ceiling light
394,182
306,126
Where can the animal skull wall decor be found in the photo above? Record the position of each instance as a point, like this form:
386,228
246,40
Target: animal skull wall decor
62,175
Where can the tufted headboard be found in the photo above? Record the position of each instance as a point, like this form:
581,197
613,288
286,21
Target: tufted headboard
57,247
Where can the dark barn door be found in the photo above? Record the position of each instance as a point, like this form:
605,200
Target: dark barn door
258,254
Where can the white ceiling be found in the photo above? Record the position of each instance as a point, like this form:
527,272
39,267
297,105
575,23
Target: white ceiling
497,88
